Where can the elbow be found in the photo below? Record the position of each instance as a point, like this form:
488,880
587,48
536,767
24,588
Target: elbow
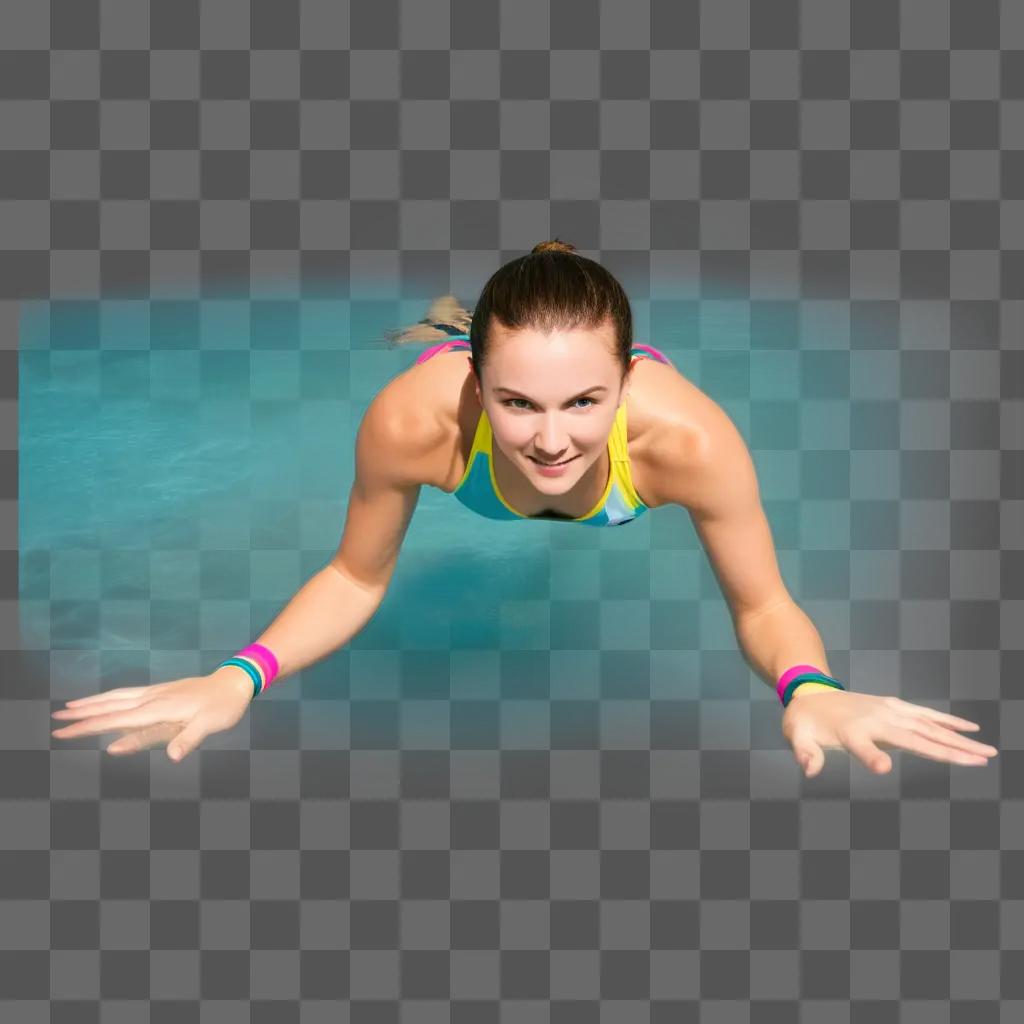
746,618
376,589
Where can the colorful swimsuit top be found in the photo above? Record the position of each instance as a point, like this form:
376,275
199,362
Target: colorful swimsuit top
478,490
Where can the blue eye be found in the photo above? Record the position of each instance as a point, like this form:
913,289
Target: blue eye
508,402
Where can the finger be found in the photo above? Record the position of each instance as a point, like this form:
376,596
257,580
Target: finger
939,716
861,745
936,732
146,714
142,739
918,744
188,739
126,691
101,707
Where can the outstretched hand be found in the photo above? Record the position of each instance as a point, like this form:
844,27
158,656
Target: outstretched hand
182,712
863,723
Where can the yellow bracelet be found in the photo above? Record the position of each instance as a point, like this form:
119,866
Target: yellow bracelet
812,686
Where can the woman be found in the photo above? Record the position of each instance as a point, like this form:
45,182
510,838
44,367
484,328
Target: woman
491,413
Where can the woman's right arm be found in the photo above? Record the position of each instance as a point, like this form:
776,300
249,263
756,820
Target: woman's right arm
392,449
335,604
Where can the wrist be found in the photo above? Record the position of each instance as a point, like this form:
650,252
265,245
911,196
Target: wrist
257,662
234,677
799,676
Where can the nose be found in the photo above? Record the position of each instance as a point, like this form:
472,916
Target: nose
544,457
550,445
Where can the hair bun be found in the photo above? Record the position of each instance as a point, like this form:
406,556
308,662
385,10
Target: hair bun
554,245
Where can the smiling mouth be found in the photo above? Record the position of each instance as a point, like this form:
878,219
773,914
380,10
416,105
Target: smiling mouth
551,465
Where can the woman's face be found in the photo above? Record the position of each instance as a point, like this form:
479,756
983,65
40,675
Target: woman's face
537,393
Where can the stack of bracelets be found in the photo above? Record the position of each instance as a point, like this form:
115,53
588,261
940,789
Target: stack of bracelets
807,676
262,668
259,662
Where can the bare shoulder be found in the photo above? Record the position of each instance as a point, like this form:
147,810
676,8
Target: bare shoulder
684,431
401,424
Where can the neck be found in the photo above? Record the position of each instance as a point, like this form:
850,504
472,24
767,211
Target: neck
521,493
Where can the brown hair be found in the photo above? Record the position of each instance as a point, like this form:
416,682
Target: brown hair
550,287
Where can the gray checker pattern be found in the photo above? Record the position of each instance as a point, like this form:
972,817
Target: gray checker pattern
854,171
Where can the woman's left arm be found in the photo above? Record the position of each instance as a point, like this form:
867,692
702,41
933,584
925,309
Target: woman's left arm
718,487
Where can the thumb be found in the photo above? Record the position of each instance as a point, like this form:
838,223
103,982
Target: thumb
187,740
809,756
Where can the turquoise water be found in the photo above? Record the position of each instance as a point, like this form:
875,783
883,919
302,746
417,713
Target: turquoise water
136,463
185,467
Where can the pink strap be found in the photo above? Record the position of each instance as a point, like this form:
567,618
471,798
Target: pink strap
661,355
791,673
434,349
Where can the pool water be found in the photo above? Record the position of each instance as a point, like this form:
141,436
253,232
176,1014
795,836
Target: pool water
183,472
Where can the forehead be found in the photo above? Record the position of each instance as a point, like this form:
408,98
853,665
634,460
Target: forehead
580,346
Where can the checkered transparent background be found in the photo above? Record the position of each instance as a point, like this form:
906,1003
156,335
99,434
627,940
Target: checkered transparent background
589,814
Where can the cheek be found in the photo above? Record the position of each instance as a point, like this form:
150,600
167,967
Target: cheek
594,429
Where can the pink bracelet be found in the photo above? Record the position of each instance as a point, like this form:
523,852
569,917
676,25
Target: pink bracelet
800,675
790,673
259,663
265,659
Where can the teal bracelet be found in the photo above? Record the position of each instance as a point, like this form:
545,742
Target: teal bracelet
257,679
808,677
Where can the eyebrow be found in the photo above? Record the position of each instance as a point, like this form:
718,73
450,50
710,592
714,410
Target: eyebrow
519,394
